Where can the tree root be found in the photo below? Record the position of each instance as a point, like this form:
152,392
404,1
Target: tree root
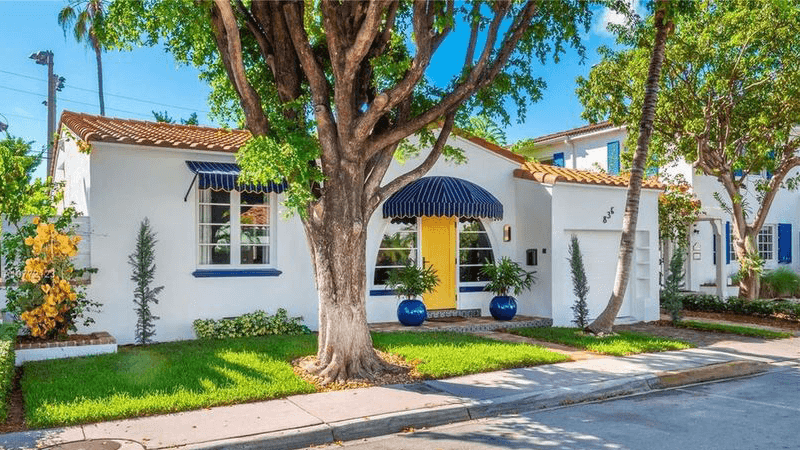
371,370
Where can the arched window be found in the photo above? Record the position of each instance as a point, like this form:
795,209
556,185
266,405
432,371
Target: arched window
398,246
474,249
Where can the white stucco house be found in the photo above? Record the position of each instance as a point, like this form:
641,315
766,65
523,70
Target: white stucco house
599,146
225,249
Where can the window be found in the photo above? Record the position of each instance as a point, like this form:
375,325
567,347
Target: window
731,248
240,239
765,246
558,159
474,249
398,246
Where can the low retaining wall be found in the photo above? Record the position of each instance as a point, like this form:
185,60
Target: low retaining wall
94,344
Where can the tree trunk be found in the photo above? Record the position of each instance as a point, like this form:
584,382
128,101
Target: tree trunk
337,239
750,280
605,321
97,52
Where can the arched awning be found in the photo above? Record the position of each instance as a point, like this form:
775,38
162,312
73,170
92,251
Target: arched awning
443,196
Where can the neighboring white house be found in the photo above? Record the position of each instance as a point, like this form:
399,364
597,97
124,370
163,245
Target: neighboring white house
598,146
224,249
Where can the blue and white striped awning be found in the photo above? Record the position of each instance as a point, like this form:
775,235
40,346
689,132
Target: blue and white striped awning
443,196
225,176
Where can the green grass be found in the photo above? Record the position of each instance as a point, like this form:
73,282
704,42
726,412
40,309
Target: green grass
733,329
163,378
180,376
442,354
623,343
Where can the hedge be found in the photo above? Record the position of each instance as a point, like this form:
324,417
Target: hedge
8,338
257,323
738,305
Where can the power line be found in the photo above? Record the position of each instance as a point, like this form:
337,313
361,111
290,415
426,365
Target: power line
62,99
94,91
25,117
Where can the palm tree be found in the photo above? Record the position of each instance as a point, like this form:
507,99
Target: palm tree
605,321
84,15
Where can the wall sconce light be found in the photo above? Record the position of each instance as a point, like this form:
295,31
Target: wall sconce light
507,233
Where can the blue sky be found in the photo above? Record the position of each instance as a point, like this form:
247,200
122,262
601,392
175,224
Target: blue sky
147,79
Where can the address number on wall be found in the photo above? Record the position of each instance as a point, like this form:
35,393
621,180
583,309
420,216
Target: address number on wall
608,214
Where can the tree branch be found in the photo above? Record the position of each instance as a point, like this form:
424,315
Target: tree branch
417,172
230,47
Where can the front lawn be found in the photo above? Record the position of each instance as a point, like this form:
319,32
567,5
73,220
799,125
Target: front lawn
162,378
733,329
620,344
447,354
180,376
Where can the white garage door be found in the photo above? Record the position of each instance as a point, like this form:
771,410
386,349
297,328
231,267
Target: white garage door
599,249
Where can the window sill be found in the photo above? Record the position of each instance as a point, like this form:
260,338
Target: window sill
472,289
381,292
225,273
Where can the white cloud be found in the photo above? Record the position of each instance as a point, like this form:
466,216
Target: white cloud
609,16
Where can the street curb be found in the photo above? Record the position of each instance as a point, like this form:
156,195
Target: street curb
720,371
476,409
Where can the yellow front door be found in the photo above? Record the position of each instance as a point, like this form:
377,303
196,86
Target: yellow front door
438,245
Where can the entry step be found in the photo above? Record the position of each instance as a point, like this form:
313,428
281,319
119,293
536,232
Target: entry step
443,313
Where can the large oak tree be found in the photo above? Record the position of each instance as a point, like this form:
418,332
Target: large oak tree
729,102
332,90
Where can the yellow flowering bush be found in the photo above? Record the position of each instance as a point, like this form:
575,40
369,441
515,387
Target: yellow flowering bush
46,296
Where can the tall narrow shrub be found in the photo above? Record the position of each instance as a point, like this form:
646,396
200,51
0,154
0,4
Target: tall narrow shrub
580,285
670,298
144,268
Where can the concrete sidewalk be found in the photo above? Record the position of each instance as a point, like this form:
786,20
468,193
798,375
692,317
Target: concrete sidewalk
305,420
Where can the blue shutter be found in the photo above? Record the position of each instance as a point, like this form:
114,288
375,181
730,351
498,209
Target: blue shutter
785,243
727,242
771,157
612,149
738,172
651,171
558,159
714,247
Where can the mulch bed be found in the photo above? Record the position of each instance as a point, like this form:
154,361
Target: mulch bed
405,374
67,338
16,408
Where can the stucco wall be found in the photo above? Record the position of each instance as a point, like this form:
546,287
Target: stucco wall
130,183
487,170
72,168
583,151
534,202
580,209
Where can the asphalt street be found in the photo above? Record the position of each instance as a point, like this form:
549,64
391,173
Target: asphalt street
761,412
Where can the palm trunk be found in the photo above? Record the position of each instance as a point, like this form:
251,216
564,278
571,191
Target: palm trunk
97,53
605,321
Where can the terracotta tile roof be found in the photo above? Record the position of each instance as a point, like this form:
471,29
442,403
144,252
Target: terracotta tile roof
575,131
490,146
92,128
544,173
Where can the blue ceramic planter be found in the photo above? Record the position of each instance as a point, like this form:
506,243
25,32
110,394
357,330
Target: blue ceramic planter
411,312
503,307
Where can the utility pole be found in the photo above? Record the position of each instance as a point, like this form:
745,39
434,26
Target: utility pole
54,83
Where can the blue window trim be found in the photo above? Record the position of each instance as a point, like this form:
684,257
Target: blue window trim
226,273
381,292
389,292
471,288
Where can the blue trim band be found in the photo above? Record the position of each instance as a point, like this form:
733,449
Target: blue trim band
224,273
472,289
381,292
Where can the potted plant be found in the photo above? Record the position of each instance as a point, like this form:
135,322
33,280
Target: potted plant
506,276
409,283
